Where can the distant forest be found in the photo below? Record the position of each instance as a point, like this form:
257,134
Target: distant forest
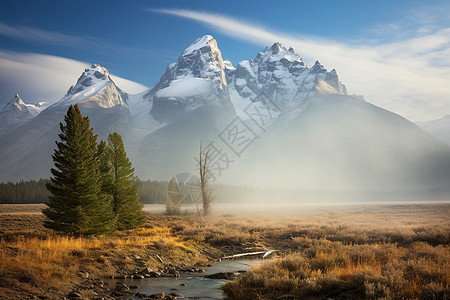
155,192
25,192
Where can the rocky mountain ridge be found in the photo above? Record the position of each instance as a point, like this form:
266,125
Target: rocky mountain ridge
272,120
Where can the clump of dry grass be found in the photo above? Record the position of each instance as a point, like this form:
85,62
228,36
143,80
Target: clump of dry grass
44,259
374,271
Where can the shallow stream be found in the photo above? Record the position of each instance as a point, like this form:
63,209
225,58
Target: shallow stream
193,285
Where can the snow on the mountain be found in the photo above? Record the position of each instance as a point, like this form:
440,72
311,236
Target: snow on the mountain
228,65
202,77
197,79
95,85
239,103
281,75
23,108
185,87
245,65
83,94
142,123
198,44
36,109
16,112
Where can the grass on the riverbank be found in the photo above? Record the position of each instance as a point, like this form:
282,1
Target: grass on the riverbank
35,261
322,268
366,251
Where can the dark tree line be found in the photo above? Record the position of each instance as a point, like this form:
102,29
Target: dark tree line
24,192
28,192
153,192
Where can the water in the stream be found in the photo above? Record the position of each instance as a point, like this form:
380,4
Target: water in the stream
197,287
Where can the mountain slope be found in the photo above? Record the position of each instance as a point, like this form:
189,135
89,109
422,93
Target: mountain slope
340,142
16,112
192,104
26,150
440,128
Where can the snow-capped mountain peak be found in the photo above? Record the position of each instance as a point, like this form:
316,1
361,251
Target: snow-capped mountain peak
95,87
278,53
318,68
204,41
281,75
15,104
196,79
14,113
91,76
228,65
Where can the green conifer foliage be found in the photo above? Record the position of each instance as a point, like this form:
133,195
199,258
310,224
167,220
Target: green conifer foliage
77,204
119,181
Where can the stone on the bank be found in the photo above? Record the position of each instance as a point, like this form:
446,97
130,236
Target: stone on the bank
176,295
157,296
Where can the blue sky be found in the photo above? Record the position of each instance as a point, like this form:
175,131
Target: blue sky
395,53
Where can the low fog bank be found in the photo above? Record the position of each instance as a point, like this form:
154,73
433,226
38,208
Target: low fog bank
231,199
300,208
259,196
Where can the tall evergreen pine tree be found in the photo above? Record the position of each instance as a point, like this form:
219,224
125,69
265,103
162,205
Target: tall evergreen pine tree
77,204
119,181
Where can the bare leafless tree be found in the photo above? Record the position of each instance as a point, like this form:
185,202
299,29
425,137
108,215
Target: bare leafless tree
205,177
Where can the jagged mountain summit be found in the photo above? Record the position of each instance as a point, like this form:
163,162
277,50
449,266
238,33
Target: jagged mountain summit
95,87
196,79
281,75
192,102
272,121
25,150
17,112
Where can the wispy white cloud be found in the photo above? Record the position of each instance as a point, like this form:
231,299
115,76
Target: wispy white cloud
38,77
408,76
36,35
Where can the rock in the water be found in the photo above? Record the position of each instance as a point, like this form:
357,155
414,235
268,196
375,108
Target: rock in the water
157,296
176,295
222,275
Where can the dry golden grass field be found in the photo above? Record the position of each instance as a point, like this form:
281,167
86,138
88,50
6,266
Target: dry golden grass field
375,251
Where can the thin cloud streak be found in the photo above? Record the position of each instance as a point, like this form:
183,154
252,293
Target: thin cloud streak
35,35
409,77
